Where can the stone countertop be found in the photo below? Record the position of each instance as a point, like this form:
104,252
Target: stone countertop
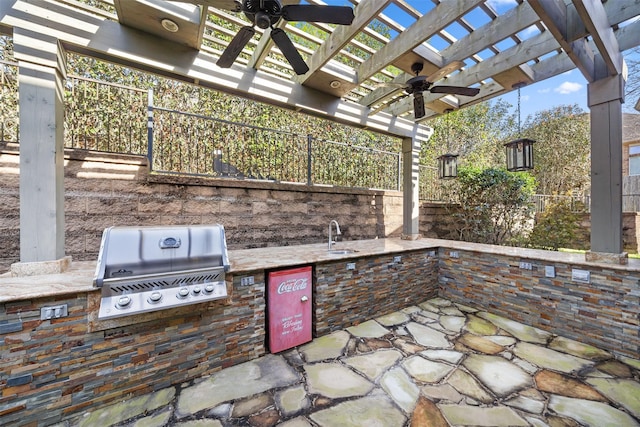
79,277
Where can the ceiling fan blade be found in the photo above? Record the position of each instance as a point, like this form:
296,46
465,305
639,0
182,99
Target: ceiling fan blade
238,43
418,105
289,51
444,71
342,15
455,90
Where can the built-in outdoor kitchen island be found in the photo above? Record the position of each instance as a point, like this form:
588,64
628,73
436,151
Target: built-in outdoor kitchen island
84,362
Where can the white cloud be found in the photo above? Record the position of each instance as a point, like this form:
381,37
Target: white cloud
545,90
567,88
525,98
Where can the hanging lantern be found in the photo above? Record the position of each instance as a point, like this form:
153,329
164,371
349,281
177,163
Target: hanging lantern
520,151
519,155
448,166
448,163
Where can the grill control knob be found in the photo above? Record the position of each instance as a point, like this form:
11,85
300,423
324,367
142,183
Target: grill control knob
208,288
123,301
196,290
183,293
155,297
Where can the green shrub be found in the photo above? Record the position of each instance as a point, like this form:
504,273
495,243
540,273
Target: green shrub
493,205
559,227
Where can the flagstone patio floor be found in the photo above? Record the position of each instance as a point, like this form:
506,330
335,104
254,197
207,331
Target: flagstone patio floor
436,364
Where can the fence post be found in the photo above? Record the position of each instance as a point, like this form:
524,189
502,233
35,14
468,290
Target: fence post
309,142
399,183
150,129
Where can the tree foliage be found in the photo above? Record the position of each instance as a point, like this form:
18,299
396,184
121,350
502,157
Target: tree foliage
632,88
559,226
494,205
474,133
562,150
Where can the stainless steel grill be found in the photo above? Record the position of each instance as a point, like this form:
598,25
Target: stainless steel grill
143,269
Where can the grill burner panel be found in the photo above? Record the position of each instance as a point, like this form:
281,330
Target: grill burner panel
154,268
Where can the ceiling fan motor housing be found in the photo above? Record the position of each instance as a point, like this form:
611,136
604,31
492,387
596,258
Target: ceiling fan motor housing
264,17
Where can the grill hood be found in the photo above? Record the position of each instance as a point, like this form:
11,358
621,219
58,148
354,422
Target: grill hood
143,269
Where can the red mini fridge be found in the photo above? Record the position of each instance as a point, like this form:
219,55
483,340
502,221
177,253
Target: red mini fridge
289,308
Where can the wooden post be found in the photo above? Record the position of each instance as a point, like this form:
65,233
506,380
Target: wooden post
41,74
605,102
410,191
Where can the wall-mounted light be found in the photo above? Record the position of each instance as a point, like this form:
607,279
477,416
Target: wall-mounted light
169,25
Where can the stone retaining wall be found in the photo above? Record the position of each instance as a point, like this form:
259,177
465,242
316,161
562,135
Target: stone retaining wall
375,287
102,190
602,312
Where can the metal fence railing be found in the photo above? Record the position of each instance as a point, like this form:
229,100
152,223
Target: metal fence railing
431,188
115,118
577,203
104,116
188,143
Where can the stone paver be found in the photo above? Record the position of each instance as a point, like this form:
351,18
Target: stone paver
590,413
425,370
624,391
335,380
436,364
257,376
497,416
374,364
550,359
365,412
369,329
392,319
292,400
518,330
401,388
326,347
131,408
498,374
427,336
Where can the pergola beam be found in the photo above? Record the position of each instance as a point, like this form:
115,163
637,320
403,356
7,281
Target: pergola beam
421,30
365,12
503,61
500,28
556,16
595,19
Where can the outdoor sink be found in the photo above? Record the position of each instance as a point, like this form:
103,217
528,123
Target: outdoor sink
341,251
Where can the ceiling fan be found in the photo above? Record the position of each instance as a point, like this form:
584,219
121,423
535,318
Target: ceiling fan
266,14
419,84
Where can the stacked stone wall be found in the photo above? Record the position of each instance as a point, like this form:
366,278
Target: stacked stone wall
53,369
602,311
374,287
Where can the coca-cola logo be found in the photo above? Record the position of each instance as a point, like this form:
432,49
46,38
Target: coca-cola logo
292,285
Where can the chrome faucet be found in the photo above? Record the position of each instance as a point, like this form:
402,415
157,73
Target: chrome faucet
338,232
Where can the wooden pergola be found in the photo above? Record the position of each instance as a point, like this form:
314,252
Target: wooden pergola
530,42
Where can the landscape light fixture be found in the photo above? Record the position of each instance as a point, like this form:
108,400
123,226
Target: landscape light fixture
448,163
520,151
